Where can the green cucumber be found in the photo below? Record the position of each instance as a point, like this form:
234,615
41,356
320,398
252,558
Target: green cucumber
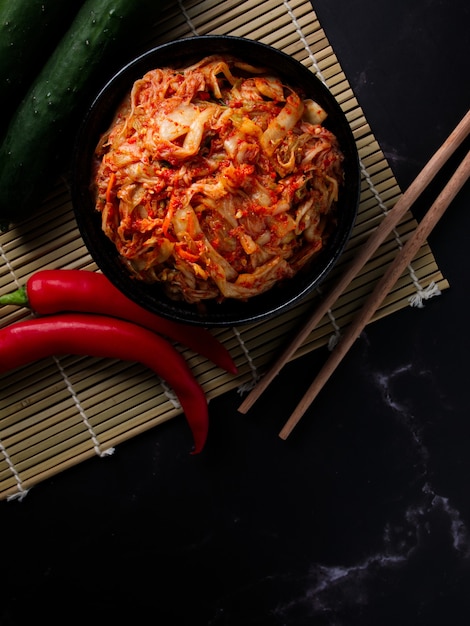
29,32
40,135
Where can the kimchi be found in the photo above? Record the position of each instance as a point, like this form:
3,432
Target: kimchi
217,180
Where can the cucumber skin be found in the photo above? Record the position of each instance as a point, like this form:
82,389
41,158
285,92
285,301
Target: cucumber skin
29,32
41,133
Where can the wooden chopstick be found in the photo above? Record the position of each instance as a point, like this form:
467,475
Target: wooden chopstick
389,222
393,273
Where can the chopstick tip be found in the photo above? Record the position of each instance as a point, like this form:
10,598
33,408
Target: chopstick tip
246,405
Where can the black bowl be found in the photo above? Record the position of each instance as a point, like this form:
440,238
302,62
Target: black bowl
230,312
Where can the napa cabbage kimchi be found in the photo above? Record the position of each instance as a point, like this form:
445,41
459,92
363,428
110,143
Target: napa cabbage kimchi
217,180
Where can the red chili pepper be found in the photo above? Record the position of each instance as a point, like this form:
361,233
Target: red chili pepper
55,291
107,337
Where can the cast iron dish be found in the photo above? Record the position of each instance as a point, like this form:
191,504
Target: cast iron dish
231,312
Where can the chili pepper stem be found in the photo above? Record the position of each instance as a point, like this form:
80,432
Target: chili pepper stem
15,298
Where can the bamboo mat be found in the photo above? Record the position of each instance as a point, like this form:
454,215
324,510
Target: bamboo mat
61,411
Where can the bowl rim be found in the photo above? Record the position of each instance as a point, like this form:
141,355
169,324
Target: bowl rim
230,312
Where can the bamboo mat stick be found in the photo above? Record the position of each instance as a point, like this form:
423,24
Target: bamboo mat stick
392,218
393,273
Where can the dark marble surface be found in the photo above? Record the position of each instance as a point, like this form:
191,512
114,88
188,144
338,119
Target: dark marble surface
363,516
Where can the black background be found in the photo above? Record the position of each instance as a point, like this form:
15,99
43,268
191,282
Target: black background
363,515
